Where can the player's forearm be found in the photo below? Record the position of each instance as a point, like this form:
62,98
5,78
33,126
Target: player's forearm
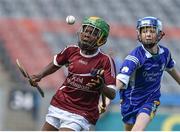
109,92
119,84
49,69
175,74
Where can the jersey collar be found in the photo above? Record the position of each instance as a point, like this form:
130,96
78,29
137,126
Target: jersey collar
89,56
149,55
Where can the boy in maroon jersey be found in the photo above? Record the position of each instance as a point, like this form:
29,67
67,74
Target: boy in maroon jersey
74,107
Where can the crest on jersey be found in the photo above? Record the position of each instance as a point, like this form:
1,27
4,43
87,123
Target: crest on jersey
125,69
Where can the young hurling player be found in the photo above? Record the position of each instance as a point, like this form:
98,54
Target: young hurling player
140,75
74,107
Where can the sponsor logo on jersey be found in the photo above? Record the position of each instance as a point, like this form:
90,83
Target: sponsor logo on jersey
151,76
83,62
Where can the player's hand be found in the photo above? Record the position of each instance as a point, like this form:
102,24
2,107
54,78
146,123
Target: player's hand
96,83
121,96
121,101
34,79
101,109
99,81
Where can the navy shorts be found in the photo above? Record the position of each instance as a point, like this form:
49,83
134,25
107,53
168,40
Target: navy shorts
130,112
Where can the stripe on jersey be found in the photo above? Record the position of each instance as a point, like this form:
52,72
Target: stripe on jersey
83,75
55,62
113,74
132,58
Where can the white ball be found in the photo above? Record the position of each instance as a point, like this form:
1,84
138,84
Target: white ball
70,20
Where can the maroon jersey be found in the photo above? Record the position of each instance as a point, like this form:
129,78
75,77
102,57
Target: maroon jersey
74,96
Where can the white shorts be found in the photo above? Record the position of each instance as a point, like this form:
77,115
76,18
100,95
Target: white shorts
63,119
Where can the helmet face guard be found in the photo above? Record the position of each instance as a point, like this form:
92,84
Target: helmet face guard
99,31
88,44
152,24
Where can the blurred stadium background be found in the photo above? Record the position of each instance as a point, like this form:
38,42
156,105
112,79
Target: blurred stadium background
35,30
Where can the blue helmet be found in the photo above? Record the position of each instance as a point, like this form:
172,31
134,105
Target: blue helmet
149,22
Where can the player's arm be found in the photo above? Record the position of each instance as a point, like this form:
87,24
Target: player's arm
170,68
49,69
58,61
109,92
122,79
119,84
99,83
130,64
174,74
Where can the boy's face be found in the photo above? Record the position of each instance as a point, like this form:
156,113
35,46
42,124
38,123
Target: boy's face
148,35
88,37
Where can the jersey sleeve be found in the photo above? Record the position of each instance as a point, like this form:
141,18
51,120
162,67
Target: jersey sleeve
170,62
62,57
130,64
110,73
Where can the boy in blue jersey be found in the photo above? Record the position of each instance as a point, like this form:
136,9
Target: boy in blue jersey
140,75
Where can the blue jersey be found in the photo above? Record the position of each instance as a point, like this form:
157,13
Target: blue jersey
141,72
